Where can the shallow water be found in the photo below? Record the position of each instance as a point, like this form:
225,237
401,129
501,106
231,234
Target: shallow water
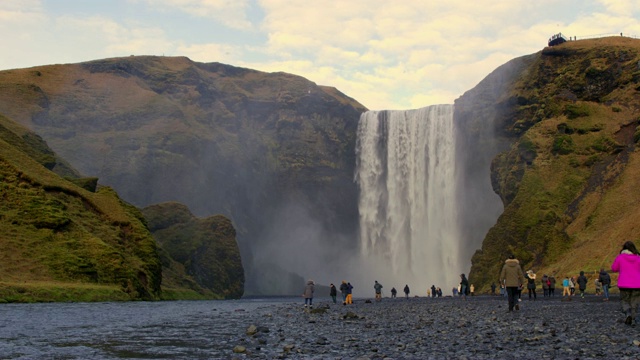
138,330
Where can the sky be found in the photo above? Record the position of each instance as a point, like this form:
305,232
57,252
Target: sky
393,55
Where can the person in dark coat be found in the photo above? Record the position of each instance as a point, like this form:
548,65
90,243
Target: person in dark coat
406,291
344,289
434,293
605,280
545,285
531,283
582,283
349,293
464,286
333,292
552,285
393,292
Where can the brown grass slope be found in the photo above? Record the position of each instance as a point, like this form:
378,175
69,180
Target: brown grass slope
569,179
61,242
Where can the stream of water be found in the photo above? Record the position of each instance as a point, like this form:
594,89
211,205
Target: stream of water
130,330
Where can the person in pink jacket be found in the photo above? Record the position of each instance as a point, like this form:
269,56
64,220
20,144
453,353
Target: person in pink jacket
627,263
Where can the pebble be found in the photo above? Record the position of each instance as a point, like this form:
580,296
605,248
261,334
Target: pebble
443,328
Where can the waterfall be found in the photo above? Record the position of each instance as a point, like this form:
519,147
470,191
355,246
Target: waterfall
405,170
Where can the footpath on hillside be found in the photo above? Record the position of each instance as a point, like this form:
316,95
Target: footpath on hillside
440,328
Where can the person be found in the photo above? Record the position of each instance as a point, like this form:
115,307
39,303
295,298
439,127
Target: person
333,292
605,280
493,288
512,278
472,290
406,291
349,293
393,292
531,284
433,291
464,286
566,291
545,285
454,291
598,287
627,264
572,285
552,285
344,290
308,293
378,288
582,283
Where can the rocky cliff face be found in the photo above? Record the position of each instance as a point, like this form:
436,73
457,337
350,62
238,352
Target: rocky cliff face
566,166
205,249
273,152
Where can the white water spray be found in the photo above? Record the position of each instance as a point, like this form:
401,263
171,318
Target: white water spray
405,170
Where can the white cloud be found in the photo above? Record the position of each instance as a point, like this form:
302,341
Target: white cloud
384,54
231,13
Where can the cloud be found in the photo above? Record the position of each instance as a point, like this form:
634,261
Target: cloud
384,54
211,52
232,14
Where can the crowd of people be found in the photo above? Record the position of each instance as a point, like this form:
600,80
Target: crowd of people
513,281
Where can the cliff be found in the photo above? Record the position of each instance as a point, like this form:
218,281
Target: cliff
62,242
273,152
204,249
566,167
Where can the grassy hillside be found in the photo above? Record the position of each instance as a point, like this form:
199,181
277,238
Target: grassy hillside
61,242
569,179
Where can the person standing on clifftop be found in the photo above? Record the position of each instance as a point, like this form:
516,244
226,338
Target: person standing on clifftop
512,277
378,288
627,263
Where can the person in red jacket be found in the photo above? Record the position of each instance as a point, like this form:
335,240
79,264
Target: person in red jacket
627,263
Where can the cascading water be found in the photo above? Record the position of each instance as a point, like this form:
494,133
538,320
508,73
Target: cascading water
405,170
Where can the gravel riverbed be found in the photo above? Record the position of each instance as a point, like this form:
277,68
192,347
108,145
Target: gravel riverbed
441,328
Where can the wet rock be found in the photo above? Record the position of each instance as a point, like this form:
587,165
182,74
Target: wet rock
350,315
252,330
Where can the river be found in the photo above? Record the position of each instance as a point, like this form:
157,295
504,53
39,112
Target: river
127,330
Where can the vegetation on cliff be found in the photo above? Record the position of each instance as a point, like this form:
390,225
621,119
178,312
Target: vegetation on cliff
61,242
568,179
217,138
204,249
